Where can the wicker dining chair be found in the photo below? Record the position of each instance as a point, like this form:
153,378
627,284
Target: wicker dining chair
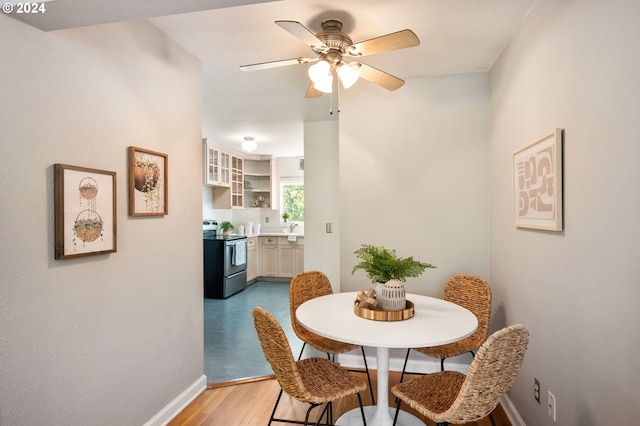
306,286
452,397
473,293
315,381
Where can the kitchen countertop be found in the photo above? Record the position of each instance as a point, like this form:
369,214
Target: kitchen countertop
278,234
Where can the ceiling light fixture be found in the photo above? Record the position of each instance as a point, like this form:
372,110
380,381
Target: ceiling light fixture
249,144
321,73
348,74
325,85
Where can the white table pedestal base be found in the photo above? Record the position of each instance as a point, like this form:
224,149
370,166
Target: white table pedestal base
354,418
381,414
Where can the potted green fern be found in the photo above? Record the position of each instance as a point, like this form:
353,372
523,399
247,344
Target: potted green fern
384,266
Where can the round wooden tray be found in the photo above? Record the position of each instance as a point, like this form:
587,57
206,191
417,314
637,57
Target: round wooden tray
385,315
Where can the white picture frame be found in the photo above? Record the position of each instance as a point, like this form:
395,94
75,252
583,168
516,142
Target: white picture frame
537,183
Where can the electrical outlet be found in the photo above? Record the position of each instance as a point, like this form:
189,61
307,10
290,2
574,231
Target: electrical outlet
266,219
536,390
551,405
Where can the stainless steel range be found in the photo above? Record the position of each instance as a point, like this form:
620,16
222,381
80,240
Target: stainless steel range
225,262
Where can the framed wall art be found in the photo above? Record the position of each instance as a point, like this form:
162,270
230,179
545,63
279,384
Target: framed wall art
148,194
85,211
537,184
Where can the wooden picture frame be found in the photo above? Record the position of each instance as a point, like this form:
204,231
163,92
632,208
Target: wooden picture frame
148,182
537,184
85,211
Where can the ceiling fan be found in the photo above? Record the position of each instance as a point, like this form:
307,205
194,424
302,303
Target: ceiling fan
332,46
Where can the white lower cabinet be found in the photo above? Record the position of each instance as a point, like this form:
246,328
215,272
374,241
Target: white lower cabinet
286,261
281,258
299,261
252,258
269,256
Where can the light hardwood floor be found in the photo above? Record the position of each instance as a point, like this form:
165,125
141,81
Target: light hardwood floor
250,403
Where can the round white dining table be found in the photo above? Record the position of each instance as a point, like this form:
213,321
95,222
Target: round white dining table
435,322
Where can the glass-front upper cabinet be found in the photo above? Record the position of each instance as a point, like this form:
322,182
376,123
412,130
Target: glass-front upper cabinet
217,165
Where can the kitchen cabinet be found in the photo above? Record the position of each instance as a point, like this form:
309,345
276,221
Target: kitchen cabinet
259,182
281,258
237,182
217,165
299,260
252,258
269,256
224,173
290,257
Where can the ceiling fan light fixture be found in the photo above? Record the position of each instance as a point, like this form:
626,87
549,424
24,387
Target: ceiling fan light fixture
319,71
249,144
348,75
326,85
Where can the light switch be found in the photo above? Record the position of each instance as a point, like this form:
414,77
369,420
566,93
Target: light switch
329,228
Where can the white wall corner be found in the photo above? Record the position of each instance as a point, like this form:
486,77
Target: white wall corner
179,403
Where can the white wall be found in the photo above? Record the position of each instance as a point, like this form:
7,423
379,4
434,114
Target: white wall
108,339
321,185
413,176
574,65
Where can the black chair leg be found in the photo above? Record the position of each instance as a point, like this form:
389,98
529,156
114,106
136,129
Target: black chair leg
364,419
302,350
441,364
395,417
311,407
493,421
275,407
404,367
366,367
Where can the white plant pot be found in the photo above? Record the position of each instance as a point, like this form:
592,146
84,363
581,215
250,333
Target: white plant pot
393,296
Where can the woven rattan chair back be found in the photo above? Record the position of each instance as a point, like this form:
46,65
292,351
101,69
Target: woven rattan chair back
314,380
492,373
452,397
306,286
471,292
277,351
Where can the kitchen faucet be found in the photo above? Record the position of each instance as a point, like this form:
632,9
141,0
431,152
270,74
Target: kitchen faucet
292,226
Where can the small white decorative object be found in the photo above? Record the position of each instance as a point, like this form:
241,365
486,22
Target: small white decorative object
377,287
393,297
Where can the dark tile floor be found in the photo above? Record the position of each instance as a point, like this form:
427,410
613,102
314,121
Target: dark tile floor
231,347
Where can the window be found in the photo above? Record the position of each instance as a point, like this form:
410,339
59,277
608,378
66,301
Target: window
292,198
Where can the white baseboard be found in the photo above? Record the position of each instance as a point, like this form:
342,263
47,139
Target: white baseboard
424,364
179,403
511,412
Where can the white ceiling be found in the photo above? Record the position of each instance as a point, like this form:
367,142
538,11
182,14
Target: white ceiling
457,36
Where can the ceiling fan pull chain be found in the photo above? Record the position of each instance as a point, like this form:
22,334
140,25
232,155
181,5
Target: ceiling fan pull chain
331,101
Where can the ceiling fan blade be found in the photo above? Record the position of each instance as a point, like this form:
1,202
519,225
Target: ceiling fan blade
303,33
378,77
312,92
275,64
394,41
